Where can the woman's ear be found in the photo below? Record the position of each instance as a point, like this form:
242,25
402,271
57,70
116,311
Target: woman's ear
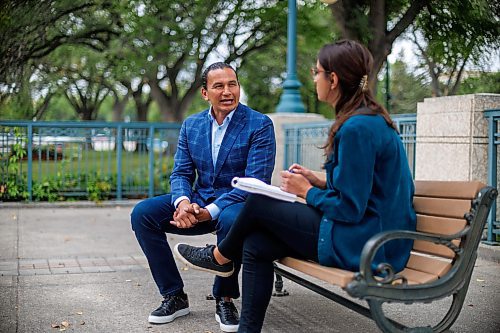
334,79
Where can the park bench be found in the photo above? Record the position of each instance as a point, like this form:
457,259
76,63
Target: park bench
450,221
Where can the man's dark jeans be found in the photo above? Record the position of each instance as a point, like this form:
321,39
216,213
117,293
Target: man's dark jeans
151,222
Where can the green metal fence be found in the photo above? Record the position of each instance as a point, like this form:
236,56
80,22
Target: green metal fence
96,160
303,141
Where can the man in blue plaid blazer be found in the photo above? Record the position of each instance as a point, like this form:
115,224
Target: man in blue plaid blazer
227,140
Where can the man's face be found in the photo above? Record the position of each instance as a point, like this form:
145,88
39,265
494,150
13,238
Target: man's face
223,90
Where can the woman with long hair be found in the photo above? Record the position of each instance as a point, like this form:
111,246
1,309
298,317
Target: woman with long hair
368,189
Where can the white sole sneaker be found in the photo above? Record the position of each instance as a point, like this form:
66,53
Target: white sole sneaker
184,261
226,328
168,319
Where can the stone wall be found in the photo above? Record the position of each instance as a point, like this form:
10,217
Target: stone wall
452,137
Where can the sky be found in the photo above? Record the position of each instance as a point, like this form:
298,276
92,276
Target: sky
411,59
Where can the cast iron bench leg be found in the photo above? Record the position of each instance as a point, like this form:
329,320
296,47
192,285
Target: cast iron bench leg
278,287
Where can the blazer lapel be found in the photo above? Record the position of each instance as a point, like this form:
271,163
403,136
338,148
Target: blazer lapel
206,135
233,130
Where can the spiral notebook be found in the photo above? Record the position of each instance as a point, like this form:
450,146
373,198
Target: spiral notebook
254,185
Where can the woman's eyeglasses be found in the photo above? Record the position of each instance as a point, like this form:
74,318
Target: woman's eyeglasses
315,71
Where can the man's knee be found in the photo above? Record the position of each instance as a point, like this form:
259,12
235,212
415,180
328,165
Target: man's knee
139,216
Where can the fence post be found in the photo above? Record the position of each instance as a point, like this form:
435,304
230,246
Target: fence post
492,176
30,162
151,161
119,140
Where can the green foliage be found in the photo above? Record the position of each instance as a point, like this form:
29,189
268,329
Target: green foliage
452,35
262,75
47,190
406,88
13,182
481,83
459,29
31,29
99,188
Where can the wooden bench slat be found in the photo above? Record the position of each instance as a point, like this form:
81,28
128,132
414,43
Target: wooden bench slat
331,275
447,189
434,249
454,208
434,266
417,277
439,225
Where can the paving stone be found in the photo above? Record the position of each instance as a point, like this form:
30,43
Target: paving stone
35,272
66,270
97,269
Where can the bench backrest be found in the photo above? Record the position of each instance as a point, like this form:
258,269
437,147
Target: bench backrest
441,208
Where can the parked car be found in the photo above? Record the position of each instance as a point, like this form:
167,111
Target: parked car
103,142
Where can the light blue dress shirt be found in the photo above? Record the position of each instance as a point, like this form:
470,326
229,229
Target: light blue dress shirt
218,132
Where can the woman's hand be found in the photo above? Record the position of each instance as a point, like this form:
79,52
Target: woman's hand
295,183
308,174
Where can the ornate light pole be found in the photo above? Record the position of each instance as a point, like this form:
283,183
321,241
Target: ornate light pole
290,100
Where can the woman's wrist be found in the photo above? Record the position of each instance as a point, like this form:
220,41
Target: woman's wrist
303,195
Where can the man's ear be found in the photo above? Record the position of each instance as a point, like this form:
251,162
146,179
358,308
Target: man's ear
204,94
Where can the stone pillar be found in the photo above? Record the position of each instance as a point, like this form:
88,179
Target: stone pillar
452,137
279,119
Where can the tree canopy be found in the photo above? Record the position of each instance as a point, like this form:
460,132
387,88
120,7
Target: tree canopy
149,54
30,30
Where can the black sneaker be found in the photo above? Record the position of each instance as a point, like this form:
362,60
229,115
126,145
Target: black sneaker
202,258
173,306
227,316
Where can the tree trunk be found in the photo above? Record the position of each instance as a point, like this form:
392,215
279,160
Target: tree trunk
119,107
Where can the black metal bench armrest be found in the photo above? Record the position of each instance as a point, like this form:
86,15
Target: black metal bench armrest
380,284
384,271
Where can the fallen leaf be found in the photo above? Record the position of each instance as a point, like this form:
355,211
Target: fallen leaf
55,325
82,323
65,324
79,313
479,280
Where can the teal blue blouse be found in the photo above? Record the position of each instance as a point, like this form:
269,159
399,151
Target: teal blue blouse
369,190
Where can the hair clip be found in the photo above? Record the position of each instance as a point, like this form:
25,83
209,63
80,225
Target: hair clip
363,84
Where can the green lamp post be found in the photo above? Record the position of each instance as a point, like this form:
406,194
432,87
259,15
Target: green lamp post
290,100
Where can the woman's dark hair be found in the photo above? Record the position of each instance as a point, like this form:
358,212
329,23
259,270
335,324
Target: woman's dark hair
212,67
352,62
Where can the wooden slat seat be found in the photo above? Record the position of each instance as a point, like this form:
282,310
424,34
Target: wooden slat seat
331,275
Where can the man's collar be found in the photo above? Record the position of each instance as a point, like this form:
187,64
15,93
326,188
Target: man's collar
228,117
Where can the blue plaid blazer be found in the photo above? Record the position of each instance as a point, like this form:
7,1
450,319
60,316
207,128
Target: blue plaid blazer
247,150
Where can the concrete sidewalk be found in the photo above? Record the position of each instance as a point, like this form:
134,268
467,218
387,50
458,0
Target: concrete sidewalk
79,263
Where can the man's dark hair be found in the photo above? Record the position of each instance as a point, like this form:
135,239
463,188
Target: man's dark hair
212,67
